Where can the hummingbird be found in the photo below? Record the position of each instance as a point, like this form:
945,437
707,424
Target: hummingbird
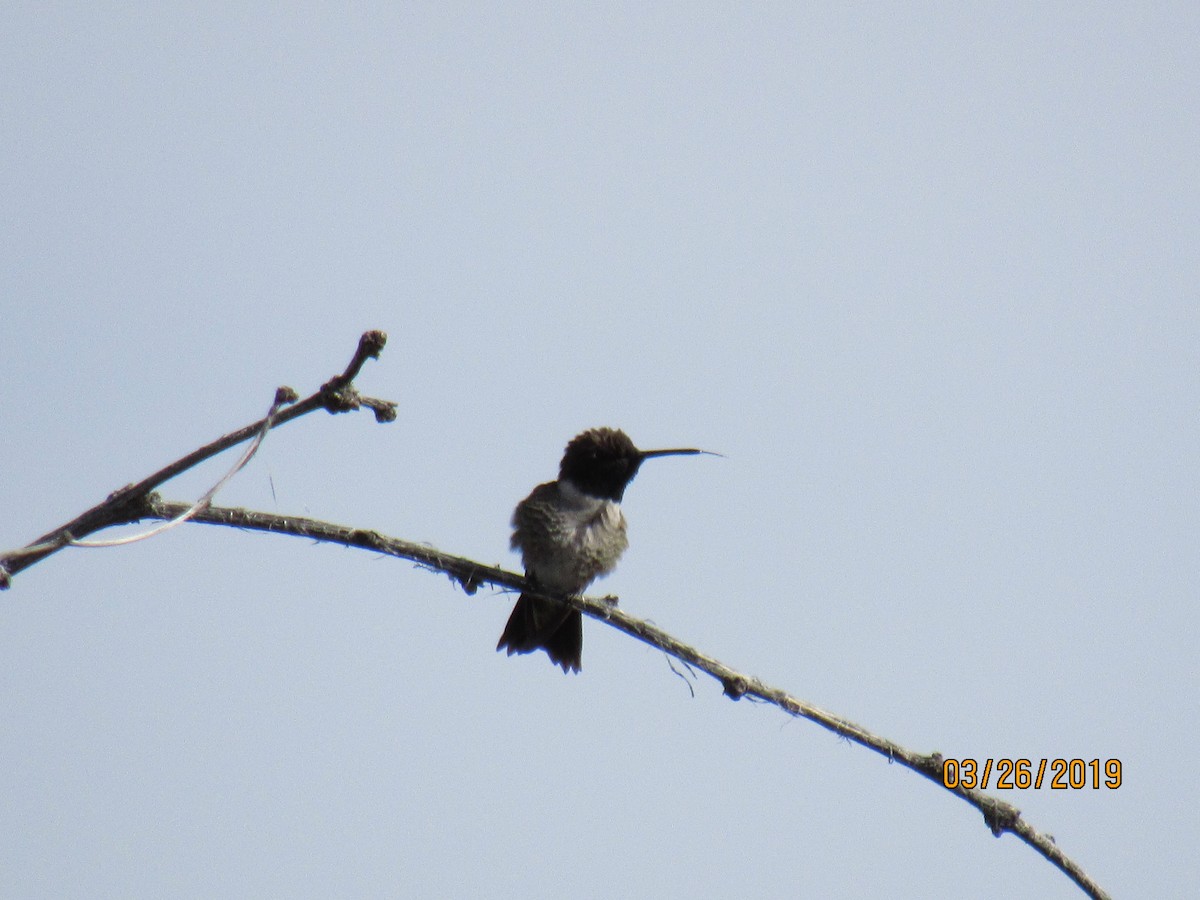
570,531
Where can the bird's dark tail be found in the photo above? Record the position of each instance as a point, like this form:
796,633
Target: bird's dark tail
545,625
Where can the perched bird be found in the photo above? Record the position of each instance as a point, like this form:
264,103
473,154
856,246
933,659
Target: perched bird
570,531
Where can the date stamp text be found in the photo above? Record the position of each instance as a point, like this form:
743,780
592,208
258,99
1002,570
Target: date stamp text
1021,774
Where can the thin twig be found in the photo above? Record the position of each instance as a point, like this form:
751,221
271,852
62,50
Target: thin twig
282,396
125,505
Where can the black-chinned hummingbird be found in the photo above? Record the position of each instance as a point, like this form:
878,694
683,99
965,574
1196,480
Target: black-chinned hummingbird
570,531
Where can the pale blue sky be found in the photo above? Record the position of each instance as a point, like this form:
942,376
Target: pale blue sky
925,273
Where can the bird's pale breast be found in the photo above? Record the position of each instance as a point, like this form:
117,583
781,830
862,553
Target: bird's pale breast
566,537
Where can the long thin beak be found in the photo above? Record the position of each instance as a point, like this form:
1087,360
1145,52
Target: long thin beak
685,451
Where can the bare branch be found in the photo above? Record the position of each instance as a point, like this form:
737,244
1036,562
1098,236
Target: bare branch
136,502
128,504
999,815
